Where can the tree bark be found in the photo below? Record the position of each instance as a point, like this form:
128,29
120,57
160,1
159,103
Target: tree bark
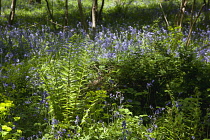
37,1
192,24
82,16
94,13
206,10
192,12
181,13
50,13
12,12
206,4
66,13
94,17
100,12
164,15
30,1
0,7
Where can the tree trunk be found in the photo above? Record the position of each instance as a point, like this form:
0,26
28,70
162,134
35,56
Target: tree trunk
66,13
50,13
0,7
181,13
82,16
100,12
192,12
206,10
94,17
204,1
37,1
31,1
94,13
12,12
206,4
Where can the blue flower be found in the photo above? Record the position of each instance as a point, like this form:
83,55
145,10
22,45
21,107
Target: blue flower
129,100
168,103
177,104
27,102
5,84
1,51
13,86
150,84
157,111
150,130
124,124
77,120
54,121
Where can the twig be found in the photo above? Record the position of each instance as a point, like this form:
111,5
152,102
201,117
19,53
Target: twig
191,28
181,14
164,15
57,24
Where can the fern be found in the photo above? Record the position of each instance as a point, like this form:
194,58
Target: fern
64,76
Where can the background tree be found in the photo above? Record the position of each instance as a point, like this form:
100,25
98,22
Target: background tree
37,1
50,13
82,16
12,12
66,13
0,7
100,12
180,16
94,15
206,10
206,4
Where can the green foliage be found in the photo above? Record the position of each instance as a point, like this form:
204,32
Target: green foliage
123,125
144,76
181,120
64,75
7,125
94,106
17,87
